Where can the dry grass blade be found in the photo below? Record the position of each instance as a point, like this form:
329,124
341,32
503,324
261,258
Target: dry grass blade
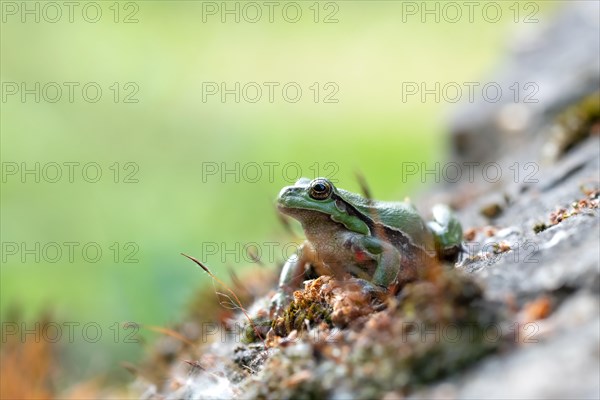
194,364
131,368
364,187
228,303
237,300
253,254
169,332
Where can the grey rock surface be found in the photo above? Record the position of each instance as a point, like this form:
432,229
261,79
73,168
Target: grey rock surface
559,361
553,61
559,357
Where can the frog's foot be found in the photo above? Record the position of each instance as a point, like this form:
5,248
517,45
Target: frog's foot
447,233
376,293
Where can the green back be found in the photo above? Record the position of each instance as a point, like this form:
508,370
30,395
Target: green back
399,216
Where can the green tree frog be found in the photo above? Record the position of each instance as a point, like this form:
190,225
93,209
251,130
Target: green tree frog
383,244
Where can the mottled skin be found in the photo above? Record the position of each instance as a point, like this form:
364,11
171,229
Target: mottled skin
384,244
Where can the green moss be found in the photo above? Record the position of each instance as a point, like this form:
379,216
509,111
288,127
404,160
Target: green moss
577,122
256,330
537,228
300,310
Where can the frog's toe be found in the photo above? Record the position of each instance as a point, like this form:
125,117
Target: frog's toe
447,232
371,290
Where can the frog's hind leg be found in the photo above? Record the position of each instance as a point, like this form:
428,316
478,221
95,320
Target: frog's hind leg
447,232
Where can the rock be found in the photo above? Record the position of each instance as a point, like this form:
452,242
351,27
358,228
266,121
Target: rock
551,73
559,360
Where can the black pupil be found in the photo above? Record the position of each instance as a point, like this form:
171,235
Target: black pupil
319,187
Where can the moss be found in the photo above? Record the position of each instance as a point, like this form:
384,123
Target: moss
435,327
491,210
297,313
576,123
540,227
256,329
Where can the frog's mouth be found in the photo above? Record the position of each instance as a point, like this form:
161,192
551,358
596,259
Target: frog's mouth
290,211
281,208
286,208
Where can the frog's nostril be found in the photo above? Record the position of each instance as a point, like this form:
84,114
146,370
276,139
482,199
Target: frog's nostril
283,194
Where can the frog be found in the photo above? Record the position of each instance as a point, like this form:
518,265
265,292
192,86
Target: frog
381,245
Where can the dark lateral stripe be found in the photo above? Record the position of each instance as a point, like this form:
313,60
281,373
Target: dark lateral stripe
400,236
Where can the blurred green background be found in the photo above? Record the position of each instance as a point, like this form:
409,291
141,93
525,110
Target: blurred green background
170,134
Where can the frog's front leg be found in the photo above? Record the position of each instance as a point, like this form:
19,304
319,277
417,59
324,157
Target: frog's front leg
387,257
447,232
291,278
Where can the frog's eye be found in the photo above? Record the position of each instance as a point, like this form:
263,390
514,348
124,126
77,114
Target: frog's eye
320,189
